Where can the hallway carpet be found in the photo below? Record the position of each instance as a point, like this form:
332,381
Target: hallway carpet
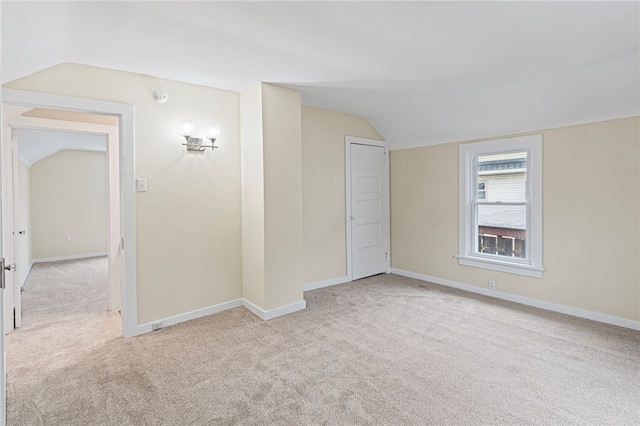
385,350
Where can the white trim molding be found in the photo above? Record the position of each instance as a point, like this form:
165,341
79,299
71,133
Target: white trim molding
567,310
274,313
69,257
215,309
326,283
469,204
126,116
199,313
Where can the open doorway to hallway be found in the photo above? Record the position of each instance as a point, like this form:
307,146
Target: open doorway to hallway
61,171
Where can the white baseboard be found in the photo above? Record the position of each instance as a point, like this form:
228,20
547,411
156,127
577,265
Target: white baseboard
581,313
274,313
145,328
327,283
265,315
69,257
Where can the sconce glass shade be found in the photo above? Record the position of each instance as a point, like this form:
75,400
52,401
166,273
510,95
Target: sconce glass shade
213,132
187,129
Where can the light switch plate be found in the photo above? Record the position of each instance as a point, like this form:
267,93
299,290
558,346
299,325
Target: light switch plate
142,184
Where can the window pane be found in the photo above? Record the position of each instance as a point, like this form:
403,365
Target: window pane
502,230
505,177
482,191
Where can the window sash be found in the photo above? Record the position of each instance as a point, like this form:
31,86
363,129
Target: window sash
475,233
474,202
469,253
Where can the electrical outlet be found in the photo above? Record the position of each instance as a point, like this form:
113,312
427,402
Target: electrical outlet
492,285
68,237
156,326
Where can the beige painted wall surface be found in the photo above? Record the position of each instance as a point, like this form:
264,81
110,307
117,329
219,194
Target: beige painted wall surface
188,224
591,188
281,114
23,255
69,197
323,189
252,196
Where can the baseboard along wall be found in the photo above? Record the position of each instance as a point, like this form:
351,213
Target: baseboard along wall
284,310
326,283
581,313
69,257
274,313
265,315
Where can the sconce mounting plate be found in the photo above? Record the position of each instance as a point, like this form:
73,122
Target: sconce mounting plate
198,144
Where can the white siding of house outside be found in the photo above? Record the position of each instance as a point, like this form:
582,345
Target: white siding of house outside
506,187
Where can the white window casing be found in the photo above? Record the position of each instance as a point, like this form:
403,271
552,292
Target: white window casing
468,254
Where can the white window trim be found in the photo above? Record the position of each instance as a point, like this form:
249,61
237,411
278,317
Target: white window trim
468,185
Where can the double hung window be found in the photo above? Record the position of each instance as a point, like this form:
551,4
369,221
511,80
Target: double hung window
501,205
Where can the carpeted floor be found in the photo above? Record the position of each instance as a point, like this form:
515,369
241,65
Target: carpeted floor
385,350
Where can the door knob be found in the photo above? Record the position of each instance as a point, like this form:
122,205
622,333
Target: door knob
23,232
3,267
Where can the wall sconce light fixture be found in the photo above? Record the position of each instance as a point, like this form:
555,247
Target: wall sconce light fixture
194,143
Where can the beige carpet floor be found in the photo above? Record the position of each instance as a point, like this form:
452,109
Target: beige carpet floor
385,350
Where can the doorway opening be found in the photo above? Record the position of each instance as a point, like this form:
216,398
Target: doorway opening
61,173
121,165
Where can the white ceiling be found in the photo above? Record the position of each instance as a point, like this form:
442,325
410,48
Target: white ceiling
35,145
421,72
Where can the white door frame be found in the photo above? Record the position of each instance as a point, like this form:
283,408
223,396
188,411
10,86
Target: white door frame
3,370
125,114
349,140
114,238
7,222
15,193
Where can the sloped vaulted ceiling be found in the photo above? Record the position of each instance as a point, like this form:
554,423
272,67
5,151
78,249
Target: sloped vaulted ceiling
421,72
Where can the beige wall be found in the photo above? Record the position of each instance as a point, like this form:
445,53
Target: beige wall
323,189
69,197
590,213
252,196
188,224
281,114
272,196
22,254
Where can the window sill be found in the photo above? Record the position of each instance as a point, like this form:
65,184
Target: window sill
496,265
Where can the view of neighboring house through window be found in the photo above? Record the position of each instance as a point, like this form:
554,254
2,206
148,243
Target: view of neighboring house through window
502,210
501,205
